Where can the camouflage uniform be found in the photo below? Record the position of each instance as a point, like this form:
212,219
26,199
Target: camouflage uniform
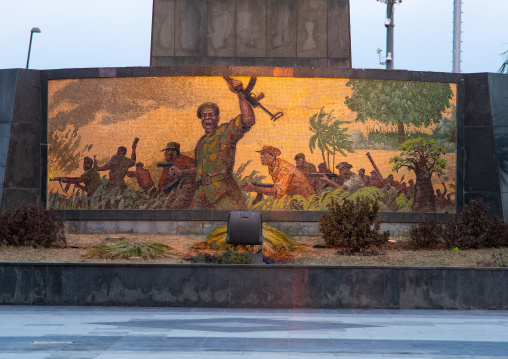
91,180
215,159
181,197
118,167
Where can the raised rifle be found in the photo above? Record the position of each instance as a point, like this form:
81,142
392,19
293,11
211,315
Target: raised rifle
374,165
173,184
251,98
329,175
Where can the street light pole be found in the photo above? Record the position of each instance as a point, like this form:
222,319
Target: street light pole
37,30
389,23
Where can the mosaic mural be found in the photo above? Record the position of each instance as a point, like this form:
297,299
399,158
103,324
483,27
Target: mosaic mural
267,143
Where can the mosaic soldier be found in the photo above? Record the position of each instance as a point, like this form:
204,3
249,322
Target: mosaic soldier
287,179
89,181
118,167
181,188
215,155
307,168
143,176
375,180
365,179
351,181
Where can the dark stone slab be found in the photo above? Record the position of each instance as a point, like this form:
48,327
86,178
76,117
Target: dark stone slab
504,202
300,290
333,285
283,288
478,111
7,94
160,286
93,285
436,288
281,28
501,141
190,27
54,285
252,287
339,35
163,31
498,90
23,159
392,287
13,198
134,284
452,289
480,167
39,285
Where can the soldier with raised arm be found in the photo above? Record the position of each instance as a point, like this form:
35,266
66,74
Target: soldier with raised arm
118,166
215,155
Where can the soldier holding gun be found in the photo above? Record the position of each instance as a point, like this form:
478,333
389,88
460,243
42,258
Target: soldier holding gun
89,181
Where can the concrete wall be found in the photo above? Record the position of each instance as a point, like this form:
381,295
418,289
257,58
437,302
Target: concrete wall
254,286
285,33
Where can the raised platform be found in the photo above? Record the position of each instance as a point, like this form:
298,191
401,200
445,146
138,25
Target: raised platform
253,286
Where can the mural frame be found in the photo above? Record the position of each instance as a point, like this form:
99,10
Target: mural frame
215,215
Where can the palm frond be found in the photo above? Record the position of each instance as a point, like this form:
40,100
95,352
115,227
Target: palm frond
127,250
275,240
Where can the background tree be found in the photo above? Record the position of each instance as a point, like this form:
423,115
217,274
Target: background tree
504,66
399,102
424,158
328,136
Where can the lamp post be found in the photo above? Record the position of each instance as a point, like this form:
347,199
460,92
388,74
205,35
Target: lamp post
37,30
389,31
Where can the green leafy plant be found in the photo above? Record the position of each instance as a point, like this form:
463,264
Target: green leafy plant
328,136
126,250
352,225
32,225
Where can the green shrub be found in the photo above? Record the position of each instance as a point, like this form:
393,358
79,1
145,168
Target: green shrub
497,233
468,230
32,225
428,234
352,225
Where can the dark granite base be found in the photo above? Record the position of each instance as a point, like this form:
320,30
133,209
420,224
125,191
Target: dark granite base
254,286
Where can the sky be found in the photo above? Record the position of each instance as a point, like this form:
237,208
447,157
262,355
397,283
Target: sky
117,33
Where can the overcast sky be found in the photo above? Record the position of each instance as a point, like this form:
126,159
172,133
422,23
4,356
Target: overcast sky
117,33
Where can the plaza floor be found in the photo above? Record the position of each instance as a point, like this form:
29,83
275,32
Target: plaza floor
148,333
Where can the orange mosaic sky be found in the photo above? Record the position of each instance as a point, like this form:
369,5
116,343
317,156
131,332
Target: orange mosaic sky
297,98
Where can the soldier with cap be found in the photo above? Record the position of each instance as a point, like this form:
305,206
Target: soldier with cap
143,176
215,155
182,173
351,181
287,179
307,168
